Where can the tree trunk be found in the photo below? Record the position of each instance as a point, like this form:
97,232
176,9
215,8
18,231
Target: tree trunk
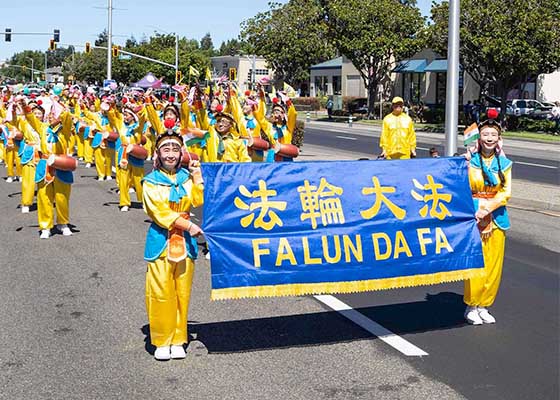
503,99
371,94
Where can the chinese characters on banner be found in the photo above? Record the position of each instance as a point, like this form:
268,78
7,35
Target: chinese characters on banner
340,226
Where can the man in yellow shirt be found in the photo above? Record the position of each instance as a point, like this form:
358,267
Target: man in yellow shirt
398,139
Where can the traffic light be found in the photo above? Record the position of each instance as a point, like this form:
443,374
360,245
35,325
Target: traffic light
232,74
115,51
56,35
8,35
52,45
178,76
88,47
24,68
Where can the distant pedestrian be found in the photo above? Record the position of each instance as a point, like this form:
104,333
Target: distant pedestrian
556,117
434,153
467,111
475,112
398,138
330,105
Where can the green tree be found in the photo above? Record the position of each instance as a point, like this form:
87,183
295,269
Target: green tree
206,44
292,37
503,42
229,48
373,34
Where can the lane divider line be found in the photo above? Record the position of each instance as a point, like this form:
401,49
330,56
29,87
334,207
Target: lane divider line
395,341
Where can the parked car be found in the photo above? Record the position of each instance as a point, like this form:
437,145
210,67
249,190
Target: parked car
530,108
358,106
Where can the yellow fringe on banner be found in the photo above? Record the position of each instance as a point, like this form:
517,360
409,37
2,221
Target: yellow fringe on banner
301,289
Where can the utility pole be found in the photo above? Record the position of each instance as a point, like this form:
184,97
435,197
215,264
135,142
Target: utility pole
109,38
32,67
46,52
452,100
176,56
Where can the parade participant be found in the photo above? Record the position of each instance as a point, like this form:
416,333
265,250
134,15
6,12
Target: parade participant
171,248
130,170
29,153
283,124
398,139
99,144
12,138
230,147
53,184
490,181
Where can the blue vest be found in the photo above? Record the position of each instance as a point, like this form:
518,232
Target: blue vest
156,239
499,215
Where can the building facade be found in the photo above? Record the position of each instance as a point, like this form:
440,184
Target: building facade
243,66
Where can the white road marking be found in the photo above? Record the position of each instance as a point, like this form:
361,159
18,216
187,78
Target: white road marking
395,341
346,137
536,165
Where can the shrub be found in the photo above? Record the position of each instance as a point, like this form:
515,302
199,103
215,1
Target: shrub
309,103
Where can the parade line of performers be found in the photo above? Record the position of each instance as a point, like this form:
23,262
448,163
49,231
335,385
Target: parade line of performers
42,138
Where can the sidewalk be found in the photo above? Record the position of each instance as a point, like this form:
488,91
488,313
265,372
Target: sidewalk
526,195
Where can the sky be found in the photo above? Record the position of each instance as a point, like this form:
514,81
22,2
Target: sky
81,21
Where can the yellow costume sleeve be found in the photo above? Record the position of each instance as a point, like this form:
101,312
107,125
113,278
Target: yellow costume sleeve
156,204
154,119
186,116
384,132
411,136
34,122
291,123
236,151
116,119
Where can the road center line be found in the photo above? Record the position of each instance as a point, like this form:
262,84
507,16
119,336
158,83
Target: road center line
535,165
346,137
395,341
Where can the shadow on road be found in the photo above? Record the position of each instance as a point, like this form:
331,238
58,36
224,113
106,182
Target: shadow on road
440,311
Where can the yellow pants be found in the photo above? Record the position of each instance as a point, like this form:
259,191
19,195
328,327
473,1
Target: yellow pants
168,291
149,146
2,150
88,151
80,145
111,161
127,178
482,292
397,156
100,161
28,184
71,145
56,192
11,158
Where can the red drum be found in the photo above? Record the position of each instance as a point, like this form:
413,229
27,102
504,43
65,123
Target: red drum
287,150
81,129
143,140
62,162
111,136
137,151
260,144
188,156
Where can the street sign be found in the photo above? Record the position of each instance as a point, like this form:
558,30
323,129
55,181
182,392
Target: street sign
125,57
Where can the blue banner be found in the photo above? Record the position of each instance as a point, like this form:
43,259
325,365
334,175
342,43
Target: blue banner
338,227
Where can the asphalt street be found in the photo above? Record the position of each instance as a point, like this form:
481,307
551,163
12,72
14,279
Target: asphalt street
74,323
537,166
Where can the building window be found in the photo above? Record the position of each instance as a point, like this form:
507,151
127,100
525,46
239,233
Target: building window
258,72
337,85
441,87
321,85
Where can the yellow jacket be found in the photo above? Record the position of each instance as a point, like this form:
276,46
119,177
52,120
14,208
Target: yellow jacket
398,138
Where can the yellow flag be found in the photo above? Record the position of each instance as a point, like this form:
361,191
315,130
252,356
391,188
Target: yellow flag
208,75
290,91
193,71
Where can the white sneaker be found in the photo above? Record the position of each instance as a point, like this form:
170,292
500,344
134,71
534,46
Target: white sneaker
148,158
88,165
124,208
65,230
162,353
100,178
485,316
114,169
207,256
45,234
10,179
19,178
109,178
472,317
178,352
131,190
80,158
24,209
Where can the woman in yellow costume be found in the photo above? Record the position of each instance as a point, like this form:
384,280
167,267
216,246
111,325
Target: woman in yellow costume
490,181
130,170
171,248
29,152
53,185
101,151
283,121
12,139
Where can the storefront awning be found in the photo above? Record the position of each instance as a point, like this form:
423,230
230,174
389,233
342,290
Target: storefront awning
410,66
438,66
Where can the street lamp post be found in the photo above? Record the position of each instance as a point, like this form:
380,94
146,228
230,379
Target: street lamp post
109,38
452,100
32,66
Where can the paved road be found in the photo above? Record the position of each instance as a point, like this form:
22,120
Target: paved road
533,165
74,324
